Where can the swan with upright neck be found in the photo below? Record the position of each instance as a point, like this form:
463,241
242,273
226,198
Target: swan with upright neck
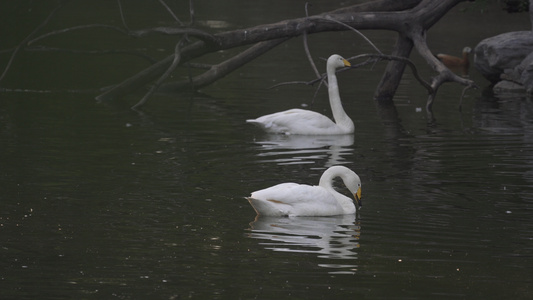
306,122
292,199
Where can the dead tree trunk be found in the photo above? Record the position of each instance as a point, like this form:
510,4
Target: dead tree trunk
394,71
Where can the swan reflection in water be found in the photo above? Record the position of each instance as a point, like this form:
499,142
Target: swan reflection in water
301,149
332,238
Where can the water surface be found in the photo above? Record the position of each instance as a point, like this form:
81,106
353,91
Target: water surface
99,201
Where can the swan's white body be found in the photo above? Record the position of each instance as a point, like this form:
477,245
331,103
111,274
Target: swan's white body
301,121
292,199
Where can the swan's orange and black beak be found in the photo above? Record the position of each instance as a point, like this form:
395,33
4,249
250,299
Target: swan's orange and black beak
357,197
346,63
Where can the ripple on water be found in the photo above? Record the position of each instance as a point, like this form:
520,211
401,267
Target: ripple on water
330,239
301,149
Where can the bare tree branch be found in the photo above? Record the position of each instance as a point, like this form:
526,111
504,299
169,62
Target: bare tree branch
372,58
171,12
122,15
191,12
24,41
140,54
329,18
444,74
306,46
410,18
413,17
220,70
200,34
74,28
404,60
173,66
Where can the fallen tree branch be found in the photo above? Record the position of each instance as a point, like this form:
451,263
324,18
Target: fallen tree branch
414,15
173,66
410,18
220,70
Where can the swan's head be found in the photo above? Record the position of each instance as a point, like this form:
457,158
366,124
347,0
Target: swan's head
336,61
352,182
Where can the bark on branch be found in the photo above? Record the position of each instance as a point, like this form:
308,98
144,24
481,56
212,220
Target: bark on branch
411,19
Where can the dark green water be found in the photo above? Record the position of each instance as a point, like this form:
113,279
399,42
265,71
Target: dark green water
100,202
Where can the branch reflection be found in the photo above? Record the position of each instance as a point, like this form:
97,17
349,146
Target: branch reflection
302,149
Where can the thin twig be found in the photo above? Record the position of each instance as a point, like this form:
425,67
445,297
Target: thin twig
191,12
308,54
171,12
372,58
27,39
175,62
424,83
93,52
472,86
292,82
306,46
122,15
80,27
320,79
229,65
329,18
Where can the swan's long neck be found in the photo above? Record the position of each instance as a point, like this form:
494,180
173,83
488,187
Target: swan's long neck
326,181
339,115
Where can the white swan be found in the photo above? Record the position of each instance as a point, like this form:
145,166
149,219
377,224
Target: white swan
292,199
301,121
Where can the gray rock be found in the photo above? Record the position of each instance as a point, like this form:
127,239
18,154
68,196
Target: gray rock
506,87
505,51
525,69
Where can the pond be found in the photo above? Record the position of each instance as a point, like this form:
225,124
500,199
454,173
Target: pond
99,201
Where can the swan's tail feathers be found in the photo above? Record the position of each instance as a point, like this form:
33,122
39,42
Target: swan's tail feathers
252,201
267,208
258,123
255,122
